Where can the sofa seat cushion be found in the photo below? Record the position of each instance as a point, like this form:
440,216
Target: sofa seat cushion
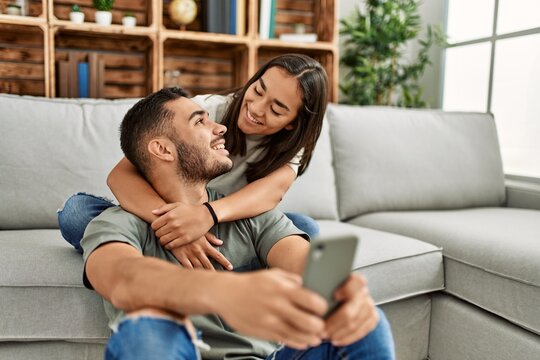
491,255
397,267
41,292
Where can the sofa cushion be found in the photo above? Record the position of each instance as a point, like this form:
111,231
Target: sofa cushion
491,255
397,267
50,149
401,159
41,292
314,192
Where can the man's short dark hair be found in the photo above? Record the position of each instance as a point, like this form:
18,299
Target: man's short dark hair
147,119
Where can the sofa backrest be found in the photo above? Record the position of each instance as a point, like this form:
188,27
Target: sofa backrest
314,193
389,159
50,149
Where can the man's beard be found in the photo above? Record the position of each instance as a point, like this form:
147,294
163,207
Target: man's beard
194,167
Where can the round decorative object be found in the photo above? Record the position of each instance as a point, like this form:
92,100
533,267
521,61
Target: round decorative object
183,12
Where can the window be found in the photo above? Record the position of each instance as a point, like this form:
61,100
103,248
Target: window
491,65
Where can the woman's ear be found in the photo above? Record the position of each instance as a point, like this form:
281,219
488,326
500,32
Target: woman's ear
161,148
290,126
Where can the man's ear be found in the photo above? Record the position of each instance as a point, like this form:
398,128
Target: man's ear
162,148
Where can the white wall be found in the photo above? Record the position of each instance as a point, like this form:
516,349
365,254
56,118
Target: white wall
431,12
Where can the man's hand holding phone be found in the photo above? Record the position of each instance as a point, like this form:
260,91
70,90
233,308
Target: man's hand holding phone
356,316
352,313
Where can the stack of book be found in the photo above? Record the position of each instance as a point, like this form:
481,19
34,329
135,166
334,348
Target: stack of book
224,16
81,79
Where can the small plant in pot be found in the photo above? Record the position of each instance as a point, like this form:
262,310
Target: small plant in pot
103,13
13,9
129,19
76,15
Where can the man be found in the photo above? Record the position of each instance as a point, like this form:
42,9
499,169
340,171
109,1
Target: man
149,296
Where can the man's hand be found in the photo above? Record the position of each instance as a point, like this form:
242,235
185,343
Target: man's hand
356,316
196,254
179,224
272,304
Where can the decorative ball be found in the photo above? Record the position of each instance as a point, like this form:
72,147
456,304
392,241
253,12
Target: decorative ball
183,12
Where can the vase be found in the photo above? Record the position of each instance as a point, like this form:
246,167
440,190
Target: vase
103,17
76,17
129,21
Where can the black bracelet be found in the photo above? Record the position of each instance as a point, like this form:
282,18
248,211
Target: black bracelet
212,212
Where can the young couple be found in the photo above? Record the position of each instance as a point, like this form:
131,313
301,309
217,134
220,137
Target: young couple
273,123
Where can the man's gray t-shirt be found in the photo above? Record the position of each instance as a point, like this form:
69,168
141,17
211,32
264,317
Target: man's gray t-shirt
246,244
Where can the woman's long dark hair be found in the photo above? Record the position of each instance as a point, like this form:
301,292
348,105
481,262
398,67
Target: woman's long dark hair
282,146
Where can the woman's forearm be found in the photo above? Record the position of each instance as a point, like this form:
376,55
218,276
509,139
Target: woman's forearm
133,192
255,198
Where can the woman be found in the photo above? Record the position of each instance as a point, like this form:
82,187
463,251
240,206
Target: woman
273,124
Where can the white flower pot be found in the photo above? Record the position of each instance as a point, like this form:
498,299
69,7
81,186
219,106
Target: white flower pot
129,21
11,10
76,17
103,17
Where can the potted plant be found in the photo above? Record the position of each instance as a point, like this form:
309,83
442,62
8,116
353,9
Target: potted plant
374,54
76,15
103,13
129,19
14,9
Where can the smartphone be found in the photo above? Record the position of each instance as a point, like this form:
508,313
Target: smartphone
328,265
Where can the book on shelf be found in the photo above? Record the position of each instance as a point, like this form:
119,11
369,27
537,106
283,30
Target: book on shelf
72,75
96,67
240,17
265,12
224,16
309,38
272,28
82,74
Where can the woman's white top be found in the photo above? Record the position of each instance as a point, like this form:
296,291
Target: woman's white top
235,179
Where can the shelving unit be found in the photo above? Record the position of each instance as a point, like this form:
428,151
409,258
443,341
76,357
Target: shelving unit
136,61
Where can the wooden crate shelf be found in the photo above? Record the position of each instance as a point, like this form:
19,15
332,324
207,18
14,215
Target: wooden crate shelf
156,53
22,60
126,60
204,68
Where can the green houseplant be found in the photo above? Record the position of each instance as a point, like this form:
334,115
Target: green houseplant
103,13
374,44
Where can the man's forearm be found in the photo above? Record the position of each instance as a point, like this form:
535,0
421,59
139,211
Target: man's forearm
131,282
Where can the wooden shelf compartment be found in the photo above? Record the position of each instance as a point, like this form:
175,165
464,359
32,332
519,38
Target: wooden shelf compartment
318,16
126,61
22,60
326,58
204,68
199,24
36,9
141,9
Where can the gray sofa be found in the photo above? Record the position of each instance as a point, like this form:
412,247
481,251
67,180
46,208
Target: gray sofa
451,252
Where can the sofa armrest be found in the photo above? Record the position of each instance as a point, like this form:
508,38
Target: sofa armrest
522,192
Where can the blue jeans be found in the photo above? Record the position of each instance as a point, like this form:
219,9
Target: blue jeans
148,338
157,338
81,208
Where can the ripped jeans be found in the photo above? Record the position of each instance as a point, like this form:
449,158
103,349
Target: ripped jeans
148,338
81,208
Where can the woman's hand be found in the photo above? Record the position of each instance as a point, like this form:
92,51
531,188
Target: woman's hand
196,254
179,224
